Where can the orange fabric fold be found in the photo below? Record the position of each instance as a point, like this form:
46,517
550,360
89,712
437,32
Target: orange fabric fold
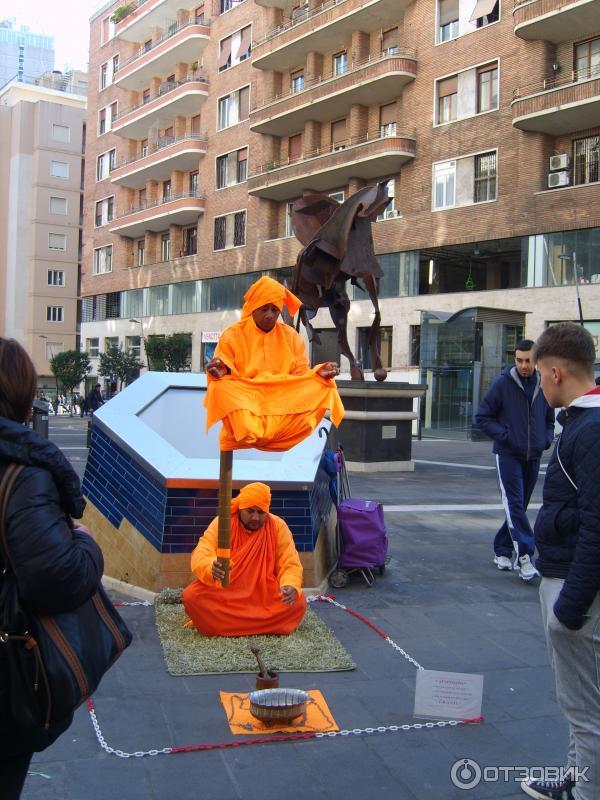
316,718
272,399
261,563
268,291
253,494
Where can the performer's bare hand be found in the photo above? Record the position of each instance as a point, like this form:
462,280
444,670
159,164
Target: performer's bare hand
216,368
329,370
288,594
218,572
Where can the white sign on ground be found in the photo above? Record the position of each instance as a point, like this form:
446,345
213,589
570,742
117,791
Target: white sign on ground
448,695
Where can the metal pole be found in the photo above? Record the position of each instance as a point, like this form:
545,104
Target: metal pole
224,525
577,289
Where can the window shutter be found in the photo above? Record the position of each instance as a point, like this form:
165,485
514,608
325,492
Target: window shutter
482,9
225,52
244,47
389,39
448,11
387,114
244,102
295,147
243,154
448,86
338,131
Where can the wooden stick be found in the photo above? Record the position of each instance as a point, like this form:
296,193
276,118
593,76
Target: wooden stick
224,535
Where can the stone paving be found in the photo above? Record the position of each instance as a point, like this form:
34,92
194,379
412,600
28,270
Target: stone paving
441,599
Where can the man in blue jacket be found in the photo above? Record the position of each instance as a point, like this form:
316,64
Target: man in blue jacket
515,414
567,533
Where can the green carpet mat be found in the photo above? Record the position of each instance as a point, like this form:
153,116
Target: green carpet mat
311,648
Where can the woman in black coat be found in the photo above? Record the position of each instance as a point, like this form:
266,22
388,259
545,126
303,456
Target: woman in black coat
57,564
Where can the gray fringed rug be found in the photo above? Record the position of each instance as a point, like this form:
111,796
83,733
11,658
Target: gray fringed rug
311,648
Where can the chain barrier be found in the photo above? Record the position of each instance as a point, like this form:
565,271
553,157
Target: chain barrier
381,729
134,603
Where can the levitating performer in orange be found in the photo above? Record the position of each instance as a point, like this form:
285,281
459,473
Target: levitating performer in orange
265,585
259,382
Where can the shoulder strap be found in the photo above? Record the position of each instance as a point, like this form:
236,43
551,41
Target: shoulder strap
6,486
562,466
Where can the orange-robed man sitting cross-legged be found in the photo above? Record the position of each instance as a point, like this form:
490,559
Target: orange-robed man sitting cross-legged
265,583
260,384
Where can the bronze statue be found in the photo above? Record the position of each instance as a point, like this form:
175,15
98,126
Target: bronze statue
337,247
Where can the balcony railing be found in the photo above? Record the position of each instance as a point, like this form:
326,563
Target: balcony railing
557,81
163,89
301,15
160,202
172,31
375,135
354,66
162,143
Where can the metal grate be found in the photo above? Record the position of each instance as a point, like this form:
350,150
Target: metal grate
485,177
586,156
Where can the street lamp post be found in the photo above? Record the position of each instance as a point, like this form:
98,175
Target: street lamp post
573,258
141,324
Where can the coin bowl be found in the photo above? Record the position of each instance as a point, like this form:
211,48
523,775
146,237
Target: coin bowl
277,706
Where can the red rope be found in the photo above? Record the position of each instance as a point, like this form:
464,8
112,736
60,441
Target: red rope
258,740
378,631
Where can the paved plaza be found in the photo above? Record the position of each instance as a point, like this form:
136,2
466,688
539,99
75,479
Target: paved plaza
441,599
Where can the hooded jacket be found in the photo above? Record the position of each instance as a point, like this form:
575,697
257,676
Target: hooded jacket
517,427
567,529
57,568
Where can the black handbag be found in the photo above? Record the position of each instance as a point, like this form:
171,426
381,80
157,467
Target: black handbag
54,663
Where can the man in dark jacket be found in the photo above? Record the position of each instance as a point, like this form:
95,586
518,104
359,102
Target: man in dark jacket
515,414
567,532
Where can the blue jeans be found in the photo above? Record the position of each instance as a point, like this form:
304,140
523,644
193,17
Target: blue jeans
516,480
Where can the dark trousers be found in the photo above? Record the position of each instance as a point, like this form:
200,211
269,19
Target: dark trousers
12,776
516,480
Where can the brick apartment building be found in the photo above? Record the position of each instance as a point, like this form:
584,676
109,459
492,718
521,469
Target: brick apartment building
42,137
206,121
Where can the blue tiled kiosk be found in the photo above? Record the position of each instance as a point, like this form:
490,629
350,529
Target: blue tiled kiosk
151,483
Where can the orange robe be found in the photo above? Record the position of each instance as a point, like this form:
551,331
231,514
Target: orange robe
262,562
272,399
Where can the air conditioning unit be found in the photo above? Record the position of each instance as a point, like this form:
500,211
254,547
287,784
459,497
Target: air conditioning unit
391,213
556,179
561,161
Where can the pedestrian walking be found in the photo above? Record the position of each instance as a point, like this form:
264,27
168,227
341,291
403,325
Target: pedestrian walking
515,415
95,399
567,534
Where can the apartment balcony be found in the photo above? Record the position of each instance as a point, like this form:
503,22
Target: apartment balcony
379,79
555,20
323,29
169,154
560,105
181,44
147,15
178,209
364,157
173,99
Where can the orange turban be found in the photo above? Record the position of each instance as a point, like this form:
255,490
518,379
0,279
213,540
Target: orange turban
253,494
265,291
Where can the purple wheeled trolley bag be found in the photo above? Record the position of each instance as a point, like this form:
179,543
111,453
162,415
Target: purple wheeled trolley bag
363,541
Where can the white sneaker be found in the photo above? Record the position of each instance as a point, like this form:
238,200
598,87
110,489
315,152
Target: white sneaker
526,569
502,562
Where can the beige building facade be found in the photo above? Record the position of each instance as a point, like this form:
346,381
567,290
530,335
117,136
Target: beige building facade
42,129
206,121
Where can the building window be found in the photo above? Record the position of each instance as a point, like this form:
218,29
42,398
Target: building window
340,63
102,260
338,134
414,355
233,108
297,81
389,42
115,66
195,124
487,88
586,157
108,29
295,147
232,168
110,343
146,96
230,230
166,191
447,20
104,76
444,179
92,347
587,59
190,241
485,12
141,250
58,205
54,314
102,121
199,15
61,133
104,211
59,169
193,184
387,120
337,196
384,345
389,212
105,163
447,99
57,241
53,349
235,48
133,345
485,177
56,277
165,247
289,228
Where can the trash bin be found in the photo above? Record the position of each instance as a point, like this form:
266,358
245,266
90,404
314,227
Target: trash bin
40,417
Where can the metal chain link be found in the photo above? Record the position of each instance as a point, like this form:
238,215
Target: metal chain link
323,598
121,753
134,603
391,728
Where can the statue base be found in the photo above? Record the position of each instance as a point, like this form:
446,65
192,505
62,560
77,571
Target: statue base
376,433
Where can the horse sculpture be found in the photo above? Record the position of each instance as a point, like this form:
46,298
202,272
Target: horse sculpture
337,247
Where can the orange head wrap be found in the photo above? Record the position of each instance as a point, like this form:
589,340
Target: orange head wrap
253,494
266,291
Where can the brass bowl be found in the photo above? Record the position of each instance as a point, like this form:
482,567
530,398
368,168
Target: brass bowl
277,706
